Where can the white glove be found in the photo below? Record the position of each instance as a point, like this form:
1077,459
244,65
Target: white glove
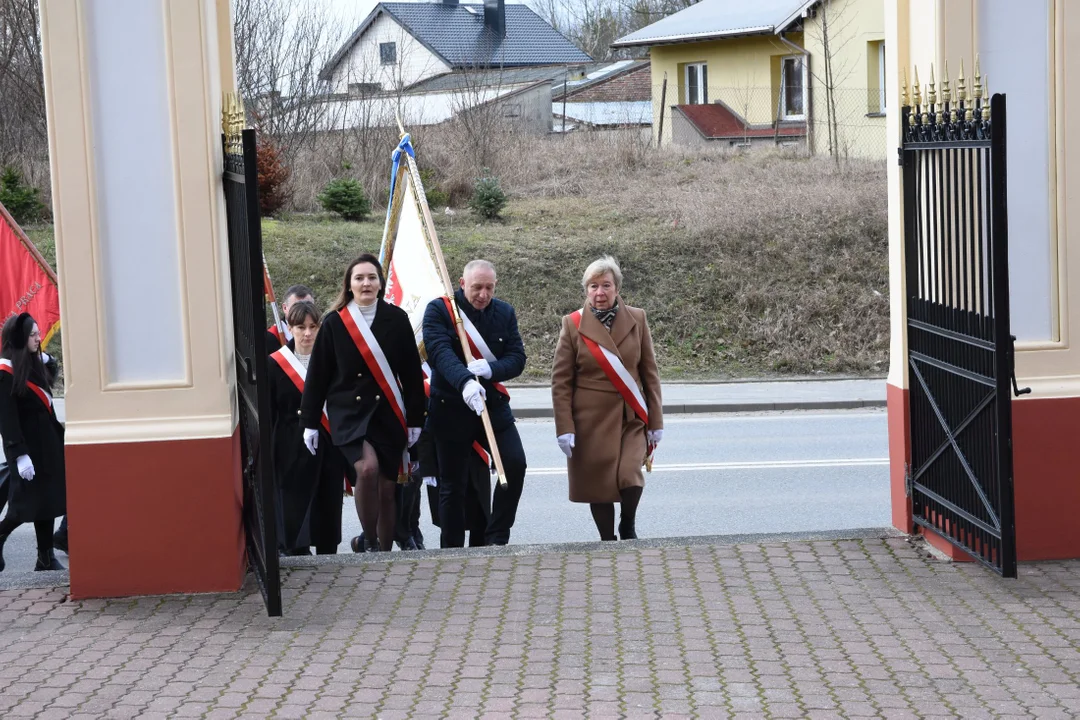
311,439
566,444
655,436
26,467
480,368
414,435
474,396
431,481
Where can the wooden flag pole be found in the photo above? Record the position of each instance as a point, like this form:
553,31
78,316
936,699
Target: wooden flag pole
268,291
463,338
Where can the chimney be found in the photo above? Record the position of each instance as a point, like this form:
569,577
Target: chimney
495,17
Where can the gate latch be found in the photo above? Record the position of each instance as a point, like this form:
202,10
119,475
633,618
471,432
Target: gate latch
1017,391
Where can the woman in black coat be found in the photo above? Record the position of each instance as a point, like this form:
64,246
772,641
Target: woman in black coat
33,439
374,396
309,486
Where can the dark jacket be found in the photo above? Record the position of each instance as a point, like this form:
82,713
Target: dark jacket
449,416
309,486
273,342
338,376
30,428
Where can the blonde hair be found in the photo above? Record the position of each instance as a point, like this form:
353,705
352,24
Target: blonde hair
604,265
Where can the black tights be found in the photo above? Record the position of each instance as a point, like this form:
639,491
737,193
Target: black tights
375,503
43,529
603,514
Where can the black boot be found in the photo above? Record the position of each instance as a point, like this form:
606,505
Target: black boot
357,543
46,560
626,530
60,542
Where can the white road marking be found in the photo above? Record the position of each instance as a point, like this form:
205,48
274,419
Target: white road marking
746,465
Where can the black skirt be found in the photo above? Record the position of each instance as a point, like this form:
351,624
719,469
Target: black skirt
388,456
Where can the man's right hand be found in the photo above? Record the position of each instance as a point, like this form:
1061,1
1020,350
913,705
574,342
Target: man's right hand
474,396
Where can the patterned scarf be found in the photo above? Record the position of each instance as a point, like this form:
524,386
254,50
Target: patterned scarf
606,317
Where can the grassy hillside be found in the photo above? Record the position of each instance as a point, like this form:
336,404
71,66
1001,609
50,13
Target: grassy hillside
748,265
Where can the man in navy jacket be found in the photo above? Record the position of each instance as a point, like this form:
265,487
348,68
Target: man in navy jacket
459,393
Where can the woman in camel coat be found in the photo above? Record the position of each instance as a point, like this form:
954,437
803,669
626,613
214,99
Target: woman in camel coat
604,437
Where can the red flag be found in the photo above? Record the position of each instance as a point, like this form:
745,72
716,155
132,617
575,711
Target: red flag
27,283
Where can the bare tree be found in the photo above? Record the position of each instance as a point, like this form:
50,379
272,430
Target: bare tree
833,32
24,137
281,50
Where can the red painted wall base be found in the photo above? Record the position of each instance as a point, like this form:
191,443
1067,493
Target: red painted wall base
155,517
899,455
1046,468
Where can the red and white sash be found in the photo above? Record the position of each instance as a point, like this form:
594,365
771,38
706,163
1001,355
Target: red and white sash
375,359
295,371
619,376
476,446
477,343
42,393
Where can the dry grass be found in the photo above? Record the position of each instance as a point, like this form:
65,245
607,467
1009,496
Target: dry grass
748,264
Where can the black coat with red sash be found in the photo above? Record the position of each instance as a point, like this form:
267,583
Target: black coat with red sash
309,486
29,427
355,401
497,325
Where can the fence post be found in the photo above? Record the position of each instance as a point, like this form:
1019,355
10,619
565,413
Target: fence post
663,105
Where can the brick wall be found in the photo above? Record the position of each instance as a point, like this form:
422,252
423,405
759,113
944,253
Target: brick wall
634,85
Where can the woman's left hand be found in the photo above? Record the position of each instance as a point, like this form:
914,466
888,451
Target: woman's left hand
655,436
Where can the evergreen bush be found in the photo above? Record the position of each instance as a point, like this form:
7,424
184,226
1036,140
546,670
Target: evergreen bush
346,198
20,198
488,198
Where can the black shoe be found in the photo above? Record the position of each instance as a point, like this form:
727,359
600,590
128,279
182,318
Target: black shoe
3,538
409,544
371,545
418,540
357,543
60,541
627,531
298,552
46,560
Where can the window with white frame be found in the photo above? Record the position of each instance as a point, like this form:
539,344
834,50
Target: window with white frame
696,84
793,87
881,76
388,53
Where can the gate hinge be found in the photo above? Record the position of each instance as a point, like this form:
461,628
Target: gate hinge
907,479
900,156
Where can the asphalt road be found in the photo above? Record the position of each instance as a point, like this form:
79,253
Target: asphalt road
714,475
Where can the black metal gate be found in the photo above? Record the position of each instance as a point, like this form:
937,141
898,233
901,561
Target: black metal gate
253,394
960,350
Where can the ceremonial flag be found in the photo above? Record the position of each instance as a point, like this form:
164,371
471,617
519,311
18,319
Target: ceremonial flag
27,283
412,278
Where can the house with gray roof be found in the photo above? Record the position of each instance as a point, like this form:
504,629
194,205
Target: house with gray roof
401,44
429,61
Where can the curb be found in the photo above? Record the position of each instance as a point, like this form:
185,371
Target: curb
60,578
734,407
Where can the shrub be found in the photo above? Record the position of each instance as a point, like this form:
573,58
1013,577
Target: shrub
488,198
436,196
346,198
272,177
20,199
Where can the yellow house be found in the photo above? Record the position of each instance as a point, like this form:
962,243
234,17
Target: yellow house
773,71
